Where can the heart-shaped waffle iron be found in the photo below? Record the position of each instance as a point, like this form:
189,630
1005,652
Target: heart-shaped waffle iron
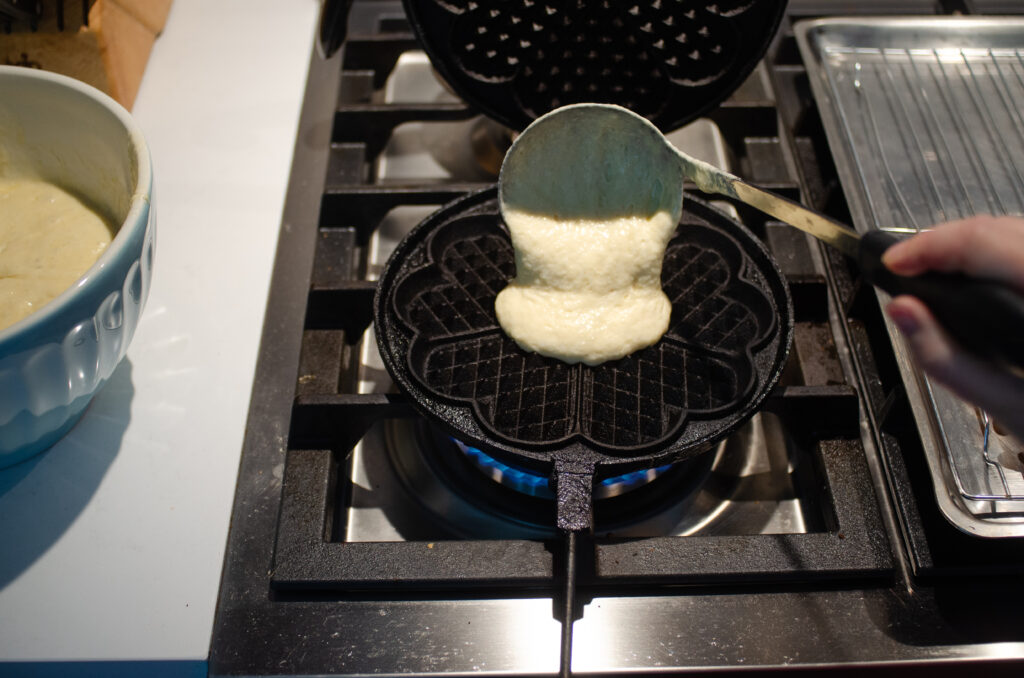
728,337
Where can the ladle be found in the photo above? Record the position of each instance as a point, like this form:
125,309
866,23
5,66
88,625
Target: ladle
599,161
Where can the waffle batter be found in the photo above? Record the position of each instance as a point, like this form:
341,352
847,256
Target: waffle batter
48,239
586,291
590,216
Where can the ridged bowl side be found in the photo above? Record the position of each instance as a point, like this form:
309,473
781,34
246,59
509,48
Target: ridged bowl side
45,389
53,361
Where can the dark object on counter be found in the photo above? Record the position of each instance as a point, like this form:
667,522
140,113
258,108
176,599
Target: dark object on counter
332,26
670,61
20,10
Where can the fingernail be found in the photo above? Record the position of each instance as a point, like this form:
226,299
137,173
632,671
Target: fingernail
904,320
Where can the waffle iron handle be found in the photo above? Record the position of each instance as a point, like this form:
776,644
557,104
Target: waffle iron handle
568,606
986,317
574,491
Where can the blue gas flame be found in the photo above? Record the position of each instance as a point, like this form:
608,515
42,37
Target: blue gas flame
535,484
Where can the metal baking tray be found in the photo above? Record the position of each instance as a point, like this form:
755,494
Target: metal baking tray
925,120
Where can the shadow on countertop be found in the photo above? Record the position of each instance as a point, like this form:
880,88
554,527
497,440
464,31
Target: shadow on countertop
43,495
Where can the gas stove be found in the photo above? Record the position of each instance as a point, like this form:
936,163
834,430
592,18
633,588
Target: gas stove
366,541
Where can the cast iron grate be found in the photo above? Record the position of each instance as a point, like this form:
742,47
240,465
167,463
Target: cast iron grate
296,598
292,583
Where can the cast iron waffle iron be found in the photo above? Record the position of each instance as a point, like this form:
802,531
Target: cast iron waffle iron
727,342
668,60
440,339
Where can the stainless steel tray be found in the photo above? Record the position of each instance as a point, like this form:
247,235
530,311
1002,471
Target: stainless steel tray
925,119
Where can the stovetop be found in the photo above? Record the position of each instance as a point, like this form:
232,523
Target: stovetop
365,541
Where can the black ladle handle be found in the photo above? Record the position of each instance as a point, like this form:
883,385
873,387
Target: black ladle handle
985,317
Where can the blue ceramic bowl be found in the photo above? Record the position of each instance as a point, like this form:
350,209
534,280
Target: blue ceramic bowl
54,361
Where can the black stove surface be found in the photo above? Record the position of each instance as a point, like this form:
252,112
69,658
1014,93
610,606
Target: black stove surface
363,541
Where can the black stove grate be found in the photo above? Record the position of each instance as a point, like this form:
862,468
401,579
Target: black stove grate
296,598
816,407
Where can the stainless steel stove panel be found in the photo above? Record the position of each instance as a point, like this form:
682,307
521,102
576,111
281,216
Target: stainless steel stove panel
795,596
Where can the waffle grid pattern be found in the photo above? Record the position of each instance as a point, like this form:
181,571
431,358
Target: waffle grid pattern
653,57
701,368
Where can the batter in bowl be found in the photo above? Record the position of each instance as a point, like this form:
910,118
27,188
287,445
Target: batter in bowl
48,239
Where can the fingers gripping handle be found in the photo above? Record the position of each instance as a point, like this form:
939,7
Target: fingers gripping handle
984,316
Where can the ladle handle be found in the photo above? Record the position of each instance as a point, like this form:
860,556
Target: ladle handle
985,317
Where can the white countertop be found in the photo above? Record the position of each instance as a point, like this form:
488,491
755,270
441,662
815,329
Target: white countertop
111,543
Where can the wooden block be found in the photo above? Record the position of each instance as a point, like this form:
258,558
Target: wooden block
110,53
125,43
150,13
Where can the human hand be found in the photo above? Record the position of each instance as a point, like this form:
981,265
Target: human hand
983,247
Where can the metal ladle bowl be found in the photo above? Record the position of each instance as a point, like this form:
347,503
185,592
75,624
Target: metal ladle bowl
601,161
593,162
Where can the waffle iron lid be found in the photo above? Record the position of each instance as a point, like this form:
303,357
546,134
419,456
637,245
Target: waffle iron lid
668,60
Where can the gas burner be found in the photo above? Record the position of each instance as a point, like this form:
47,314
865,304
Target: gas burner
437,490
456,485
537,485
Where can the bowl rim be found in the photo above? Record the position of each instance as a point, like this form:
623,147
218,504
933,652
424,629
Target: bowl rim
139,205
